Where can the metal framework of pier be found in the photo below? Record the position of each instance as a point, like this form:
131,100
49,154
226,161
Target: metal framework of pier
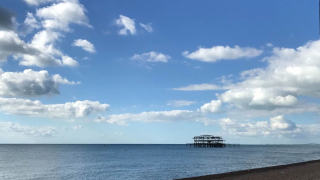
208,141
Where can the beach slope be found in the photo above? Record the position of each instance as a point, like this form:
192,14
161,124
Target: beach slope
305,170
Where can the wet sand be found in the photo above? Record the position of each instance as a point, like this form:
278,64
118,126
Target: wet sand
305,170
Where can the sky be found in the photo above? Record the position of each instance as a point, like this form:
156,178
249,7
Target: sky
159,72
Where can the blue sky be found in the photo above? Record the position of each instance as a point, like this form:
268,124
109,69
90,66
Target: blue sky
159,71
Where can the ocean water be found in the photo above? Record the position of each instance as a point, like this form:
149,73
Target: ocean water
141,161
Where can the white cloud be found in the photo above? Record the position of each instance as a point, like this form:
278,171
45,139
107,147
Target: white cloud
39,53
155,116
30,83
258,98
178,103
127,24
199,87
46,131
60,15
68,110
68,61
277,127
30,23
85,45
244,129
284,101
279,122
217,53
44,41
119,121
276,89
147,27
39,2
151,57
290,73
44,60
10,43
212,107
54,18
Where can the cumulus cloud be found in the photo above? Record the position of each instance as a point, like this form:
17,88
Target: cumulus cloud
276,127
127,24
68,61
290,73
30,83
44,41
30,23
85,45
7,19
258,98
60,15
53,20
178,103
244,129
199,87
275,89
46,131
279,122
40,52
283,101
68,110
10,43
151,57
217,53
147,27
212,107
155,116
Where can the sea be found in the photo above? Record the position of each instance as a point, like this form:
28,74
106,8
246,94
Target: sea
141,161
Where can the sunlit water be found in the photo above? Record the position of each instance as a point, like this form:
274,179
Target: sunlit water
140,161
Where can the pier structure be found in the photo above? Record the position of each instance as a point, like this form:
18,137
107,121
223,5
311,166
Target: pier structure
208,141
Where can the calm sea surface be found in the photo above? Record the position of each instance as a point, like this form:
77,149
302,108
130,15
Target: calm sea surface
141,161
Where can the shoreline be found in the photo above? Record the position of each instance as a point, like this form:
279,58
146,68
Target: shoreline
302,170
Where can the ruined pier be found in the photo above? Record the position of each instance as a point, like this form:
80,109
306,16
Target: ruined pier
208,141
